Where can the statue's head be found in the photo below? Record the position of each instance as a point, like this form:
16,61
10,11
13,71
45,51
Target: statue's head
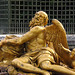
40,19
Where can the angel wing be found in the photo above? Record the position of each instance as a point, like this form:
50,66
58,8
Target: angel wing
56,34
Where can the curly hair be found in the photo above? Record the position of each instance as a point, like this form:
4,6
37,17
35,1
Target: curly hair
40,19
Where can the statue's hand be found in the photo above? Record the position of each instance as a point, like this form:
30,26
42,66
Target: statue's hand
5,41
13,41
2,42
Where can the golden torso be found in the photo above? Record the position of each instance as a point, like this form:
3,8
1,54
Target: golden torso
36,43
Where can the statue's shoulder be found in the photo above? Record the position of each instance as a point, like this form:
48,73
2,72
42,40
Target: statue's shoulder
38,28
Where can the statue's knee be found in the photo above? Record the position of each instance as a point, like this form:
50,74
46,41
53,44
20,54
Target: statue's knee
15,61
45,65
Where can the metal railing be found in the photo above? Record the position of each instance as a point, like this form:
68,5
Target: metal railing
18,28
16,14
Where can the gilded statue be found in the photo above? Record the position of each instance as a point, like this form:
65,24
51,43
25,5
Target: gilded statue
41,47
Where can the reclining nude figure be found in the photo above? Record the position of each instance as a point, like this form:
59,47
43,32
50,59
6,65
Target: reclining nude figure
36,40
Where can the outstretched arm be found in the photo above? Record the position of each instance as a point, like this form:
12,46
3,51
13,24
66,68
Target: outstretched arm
26,37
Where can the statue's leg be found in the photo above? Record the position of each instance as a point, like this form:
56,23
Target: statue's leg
60,69
24,64
13,71
46,65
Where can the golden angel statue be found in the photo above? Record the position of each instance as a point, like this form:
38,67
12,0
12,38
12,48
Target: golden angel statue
42,47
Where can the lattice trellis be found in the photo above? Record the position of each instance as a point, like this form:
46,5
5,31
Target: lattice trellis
20,12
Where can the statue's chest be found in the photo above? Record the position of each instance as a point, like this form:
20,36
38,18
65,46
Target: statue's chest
36,43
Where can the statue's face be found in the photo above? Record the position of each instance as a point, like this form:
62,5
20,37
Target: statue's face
40,19
43,15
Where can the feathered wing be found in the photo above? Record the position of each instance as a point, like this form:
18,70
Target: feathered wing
56,33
